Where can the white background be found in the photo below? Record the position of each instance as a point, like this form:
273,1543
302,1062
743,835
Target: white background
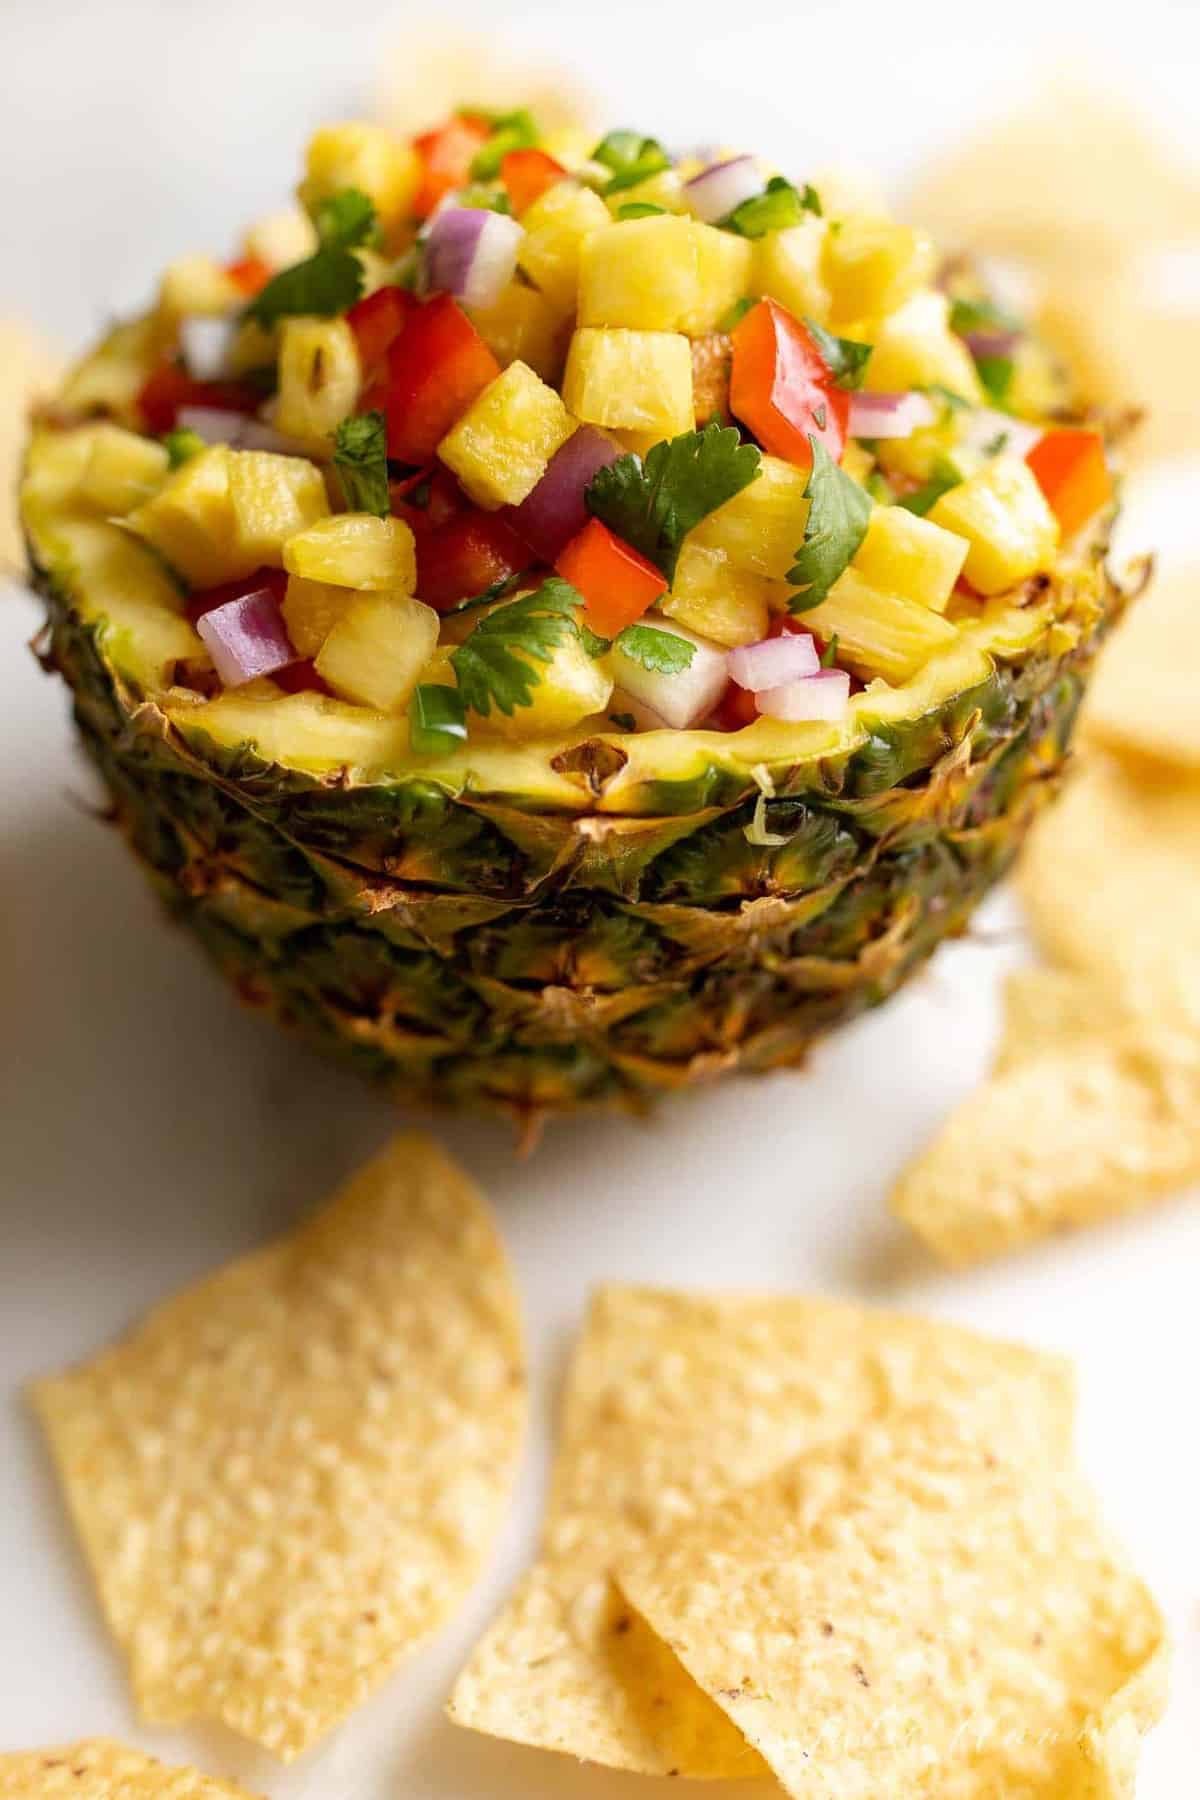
149,1130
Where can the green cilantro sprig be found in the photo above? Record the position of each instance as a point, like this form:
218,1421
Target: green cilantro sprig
779,206
837,524
996,374
360,458
662,652
943,477
846,357
653,505
493,665
631,157
331,279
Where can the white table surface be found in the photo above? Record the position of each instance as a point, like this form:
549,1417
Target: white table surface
149,1130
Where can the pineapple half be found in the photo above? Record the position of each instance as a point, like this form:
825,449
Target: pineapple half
583,915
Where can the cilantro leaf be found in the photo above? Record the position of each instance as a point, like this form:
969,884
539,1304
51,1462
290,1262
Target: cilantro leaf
331,279
980,315
777,207
846,357
996,374
631,157
493,665
662,652
592,642
944,476
511,131
837,524
360,458
654,505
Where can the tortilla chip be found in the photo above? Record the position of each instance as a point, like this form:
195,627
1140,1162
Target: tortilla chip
1070,1137
906,1612
28,370
432,75
1111,884
673,1399
1054,1009
101,1770
1143,701
293,1471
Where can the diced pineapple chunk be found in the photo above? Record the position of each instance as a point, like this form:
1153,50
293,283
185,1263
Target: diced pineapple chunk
272,498
788,265
664,189
713,597
281,238
878,633
857,461
355,550
762,528
636,380
500,447
908,555
197,285
915,347
662,274
311,609
190,521
1003,514
364,156
873,265
522,326
320,374
923,451
556,227
122,469
377,649
571,686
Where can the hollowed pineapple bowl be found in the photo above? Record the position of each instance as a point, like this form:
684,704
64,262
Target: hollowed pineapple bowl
560,622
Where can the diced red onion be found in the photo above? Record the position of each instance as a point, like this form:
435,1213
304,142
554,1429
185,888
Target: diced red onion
471,252
889,415
246,637
990,432
775,661
556,510
820,696
205,345
717,191
991,343
217,425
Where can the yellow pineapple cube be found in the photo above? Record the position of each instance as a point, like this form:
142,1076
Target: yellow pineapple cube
190,521
640,442
788,265
664,189
122,469
873,265
355,550
556,227
500,447
271,499
361,155
320,374
197,286
762,528
632,380
662,274
522,326
915,347
717,600
311,609
1004,516
281,238
878,633
571,687
857,461
908,555
377,649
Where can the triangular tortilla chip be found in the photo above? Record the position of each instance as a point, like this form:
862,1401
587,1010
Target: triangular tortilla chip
101,1770
1143,700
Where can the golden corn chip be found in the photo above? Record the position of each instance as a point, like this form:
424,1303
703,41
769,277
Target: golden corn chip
291,1472
28,369
1086,1132
1055,1009
1142,701
907,1612
101,1770
673,1399
1111,884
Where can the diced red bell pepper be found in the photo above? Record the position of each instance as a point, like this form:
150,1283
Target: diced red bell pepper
447,155
527,174
782,388
1073,474
464,557
618,583
250,273
427,499
170,387
377,321
204,600
737,708
436,367
301,678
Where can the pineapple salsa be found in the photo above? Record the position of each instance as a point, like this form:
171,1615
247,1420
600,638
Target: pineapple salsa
504,436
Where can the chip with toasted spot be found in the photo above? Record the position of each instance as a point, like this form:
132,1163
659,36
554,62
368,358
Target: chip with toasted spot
674,1399
291,1472
1142,701
908,1612
102,1770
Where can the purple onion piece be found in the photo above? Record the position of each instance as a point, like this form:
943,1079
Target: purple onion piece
246,638
823,696
774,661
721,189
549,517
471,253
